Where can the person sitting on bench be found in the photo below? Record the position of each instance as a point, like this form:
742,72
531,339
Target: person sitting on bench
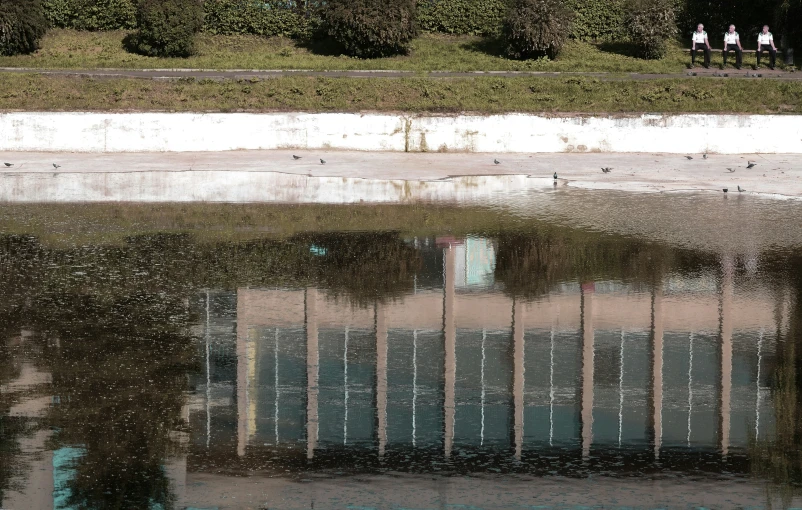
699,42
733,43
765,42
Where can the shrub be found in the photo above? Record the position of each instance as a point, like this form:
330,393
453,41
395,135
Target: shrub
22,24
536,28
227,17
371,28
651,24
464,17
167,28
91,14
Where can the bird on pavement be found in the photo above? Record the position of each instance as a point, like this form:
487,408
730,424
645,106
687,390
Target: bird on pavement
322,161
725,190
296,157
740,189
704,156
689,157
8,164
555,176
750,164
730,170
56,165
606,169
496,161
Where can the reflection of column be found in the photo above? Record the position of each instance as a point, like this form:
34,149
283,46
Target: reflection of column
518,375
725,312
450,331
381,375
312,365
586,304
243,355
657,368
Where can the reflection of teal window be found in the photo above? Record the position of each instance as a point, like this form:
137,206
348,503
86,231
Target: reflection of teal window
64,460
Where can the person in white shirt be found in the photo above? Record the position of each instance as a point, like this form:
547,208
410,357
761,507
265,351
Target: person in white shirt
765,42
733,43
699,42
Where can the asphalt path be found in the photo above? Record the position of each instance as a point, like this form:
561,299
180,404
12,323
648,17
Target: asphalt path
235,74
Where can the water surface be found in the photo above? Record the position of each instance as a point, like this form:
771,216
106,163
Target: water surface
549,350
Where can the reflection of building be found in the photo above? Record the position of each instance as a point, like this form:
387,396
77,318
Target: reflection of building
587,368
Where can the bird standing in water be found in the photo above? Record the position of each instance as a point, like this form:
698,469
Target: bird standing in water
8,164
496,161
750,164
322,161
555,176
56,166
606,169
296,157
740,189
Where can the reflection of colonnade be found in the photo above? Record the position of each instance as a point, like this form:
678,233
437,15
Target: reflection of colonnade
686,331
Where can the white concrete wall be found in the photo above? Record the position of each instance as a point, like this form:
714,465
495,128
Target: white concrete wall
159,132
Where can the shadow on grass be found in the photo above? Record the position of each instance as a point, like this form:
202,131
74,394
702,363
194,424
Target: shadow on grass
322,45
625,49
493,46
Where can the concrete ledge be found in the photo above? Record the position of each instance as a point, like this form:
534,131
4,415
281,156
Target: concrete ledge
382,177
515,133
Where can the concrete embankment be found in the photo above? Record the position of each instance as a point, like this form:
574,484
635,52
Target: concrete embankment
388,177
499,134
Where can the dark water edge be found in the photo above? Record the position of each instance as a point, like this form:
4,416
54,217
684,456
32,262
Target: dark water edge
556,350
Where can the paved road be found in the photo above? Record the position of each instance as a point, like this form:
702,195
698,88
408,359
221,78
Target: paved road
229,74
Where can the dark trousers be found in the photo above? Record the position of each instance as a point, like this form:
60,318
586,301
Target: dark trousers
738,54
700,46
772,54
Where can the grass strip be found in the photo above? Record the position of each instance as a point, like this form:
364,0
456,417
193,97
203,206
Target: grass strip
430,52
483,95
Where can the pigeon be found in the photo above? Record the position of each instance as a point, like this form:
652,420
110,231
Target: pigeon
296,157
704,156
555,176
8,164
56,165
496,161
725,190
730,170
322,161
750,164
689,157
606,169
740,189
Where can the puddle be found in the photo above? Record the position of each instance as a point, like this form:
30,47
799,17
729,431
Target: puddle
549,350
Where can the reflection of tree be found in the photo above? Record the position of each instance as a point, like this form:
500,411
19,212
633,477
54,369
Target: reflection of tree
530,264
779,460
120,376
366,266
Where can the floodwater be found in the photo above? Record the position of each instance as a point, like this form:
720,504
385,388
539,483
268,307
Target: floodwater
548,350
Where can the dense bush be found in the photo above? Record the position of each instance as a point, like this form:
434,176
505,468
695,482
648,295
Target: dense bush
257,17
22,24
536,28
91,14
167,28
597,19
371,28
474,17
651,24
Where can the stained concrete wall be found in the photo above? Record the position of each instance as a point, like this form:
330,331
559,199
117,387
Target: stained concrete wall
157,132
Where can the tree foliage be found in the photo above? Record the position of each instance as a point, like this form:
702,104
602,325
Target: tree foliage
536,28
91,14
167,28
651,24
22,24
371,28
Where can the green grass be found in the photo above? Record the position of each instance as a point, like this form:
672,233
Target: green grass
31,92
430,52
